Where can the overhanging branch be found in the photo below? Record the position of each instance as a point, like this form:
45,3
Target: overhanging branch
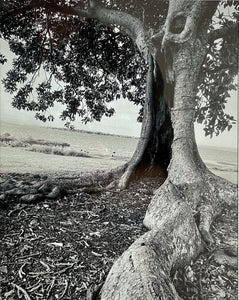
130,24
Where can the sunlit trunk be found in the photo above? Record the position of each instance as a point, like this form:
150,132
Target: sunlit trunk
186,165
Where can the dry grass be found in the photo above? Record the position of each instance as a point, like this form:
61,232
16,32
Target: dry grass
10,140
6,138
38,145
32,141
56,151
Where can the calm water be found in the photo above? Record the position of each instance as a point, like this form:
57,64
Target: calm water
106,152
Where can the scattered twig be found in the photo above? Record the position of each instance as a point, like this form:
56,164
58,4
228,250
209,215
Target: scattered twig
21,211
67,268
200,294
21,273
33,287
36,238
45,265
28,256
36,274
13,211
96,254
50,287
39,295
21,232
27,297
227,279
65,289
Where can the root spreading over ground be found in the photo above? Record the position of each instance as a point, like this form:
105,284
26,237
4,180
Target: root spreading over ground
64,248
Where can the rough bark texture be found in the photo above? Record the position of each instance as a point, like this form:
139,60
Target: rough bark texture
183,208
144,270
181,212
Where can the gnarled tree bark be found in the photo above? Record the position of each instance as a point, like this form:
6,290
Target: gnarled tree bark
175,237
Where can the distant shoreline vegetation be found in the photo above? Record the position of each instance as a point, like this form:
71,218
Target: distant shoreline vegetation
92,132
7,138
39,145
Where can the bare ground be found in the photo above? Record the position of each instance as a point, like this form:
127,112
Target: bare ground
60,249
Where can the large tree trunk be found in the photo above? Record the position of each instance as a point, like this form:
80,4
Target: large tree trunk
182,210
146,269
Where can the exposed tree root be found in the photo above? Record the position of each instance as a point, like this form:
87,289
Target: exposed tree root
144,271
222,257
206,197
96,189
91,183
175,239
206,219
118,178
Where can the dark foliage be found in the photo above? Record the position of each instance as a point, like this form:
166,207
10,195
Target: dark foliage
85,65
218,74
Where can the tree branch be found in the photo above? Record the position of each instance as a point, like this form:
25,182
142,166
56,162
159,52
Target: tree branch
222,32
130,24
109,16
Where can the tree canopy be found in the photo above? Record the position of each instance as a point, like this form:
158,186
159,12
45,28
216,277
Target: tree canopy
189,50
85,65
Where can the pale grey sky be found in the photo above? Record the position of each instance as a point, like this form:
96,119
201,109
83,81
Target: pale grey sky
123,122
